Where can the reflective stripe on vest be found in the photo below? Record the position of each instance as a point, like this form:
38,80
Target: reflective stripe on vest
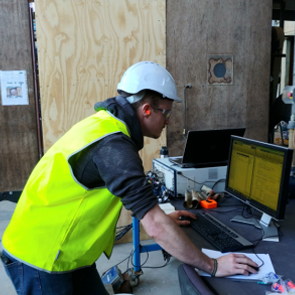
59,225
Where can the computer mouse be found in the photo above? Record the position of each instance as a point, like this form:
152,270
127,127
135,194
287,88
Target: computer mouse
186,218
255,267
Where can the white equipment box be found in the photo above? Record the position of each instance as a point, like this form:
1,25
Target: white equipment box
179,179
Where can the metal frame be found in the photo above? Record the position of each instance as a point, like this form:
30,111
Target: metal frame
138,249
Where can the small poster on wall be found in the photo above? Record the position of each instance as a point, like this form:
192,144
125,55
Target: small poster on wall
14,88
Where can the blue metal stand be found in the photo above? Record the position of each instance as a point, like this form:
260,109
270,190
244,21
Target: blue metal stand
137,248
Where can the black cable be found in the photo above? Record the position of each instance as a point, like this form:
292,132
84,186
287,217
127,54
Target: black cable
156,266
219,180
147,257
184,132
113,266
258,256
123,231
130,255
142,265
221,211
261,228
249,209
167,257
180,173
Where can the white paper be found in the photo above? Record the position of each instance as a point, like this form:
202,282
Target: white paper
167,208
266,268
14,88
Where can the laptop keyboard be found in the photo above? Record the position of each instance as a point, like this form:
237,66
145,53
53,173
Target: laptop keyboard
176,160
218,234
179,162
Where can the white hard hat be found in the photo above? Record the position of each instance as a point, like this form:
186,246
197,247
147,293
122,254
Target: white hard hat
147,75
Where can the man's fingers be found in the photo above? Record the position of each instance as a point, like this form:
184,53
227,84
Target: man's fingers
235,264
183,222
242,259
187,213
245,269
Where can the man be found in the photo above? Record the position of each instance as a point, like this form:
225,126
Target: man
67,214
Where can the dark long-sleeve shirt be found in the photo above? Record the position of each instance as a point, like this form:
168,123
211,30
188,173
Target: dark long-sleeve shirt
114,162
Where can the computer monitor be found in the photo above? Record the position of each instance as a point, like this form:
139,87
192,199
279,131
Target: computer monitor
258,174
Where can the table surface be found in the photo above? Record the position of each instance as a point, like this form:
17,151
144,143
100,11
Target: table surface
282,253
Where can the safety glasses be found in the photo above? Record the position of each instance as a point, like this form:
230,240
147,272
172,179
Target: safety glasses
165,113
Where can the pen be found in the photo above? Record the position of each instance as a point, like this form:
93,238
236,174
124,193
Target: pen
248,281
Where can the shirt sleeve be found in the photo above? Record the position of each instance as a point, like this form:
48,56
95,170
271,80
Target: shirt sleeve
120,167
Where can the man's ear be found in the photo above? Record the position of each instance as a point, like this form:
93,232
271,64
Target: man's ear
146,109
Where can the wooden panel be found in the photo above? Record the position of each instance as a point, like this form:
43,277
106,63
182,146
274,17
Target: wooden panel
241,28
84,48
18,128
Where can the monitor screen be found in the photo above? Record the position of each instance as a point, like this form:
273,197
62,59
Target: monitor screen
258,174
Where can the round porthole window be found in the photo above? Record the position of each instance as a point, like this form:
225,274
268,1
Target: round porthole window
219,70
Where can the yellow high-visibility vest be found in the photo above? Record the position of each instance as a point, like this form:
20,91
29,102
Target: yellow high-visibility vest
60,225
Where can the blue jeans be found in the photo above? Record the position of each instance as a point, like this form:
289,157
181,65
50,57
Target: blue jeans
30,281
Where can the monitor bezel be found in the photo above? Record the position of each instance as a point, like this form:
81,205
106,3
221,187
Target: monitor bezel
284,186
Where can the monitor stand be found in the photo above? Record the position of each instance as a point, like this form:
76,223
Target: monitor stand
268,227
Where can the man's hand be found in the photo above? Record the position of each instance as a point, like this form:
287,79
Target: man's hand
177,214
165,230
233,264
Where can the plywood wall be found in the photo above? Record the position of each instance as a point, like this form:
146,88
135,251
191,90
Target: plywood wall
18,128
84,48
240,28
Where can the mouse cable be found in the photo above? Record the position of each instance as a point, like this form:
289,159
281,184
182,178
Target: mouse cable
253,250
261,239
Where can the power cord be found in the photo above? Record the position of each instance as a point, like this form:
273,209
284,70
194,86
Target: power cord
251,215
115,265
180,173
122,231
219,180
166,257
184,111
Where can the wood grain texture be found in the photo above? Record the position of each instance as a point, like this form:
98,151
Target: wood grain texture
18,128
84,48
241,28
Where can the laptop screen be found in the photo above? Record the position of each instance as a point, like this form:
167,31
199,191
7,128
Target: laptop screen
209,146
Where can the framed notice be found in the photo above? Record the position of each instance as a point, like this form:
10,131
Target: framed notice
14,88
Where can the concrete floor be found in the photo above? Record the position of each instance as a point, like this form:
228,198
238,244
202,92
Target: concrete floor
154,281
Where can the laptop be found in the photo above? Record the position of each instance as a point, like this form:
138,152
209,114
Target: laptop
207,148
